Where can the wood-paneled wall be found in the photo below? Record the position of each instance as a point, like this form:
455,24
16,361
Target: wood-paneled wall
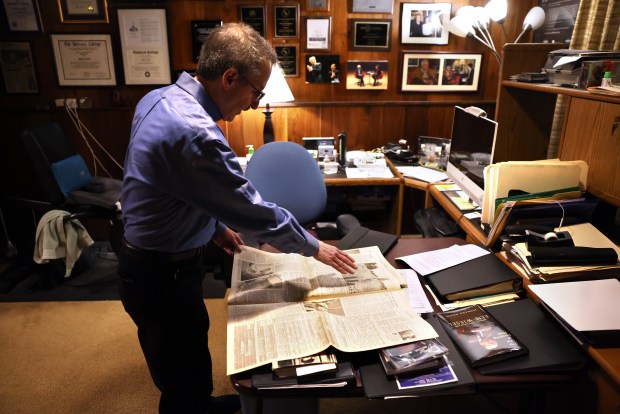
370,118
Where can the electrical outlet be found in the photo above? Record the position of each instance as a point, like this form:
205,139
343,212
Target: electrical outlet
71,103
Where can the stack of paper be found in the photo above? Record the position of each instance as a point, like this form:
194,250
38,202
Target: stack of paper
583,235
529,177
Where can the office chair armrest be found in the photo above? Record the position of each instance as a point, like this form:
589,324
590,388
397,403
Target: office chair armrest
346,223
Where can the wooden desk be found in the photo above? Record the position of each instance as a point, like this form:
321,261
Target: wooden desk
340,180
529,387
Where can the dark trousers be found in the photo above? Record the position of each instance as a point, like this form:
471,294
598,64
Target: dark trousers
165,301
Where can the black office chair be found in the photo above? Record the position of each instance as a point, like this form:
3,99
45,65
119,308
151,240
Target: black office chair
286,174
65,182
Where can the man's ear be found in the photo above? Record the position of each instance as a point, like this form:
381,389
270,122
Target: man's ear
229,77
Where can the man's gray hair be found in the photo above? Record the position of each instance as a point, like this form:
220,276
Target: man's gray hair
234,45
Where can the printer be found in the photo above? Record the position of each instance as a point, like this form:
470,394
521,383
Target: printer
564,66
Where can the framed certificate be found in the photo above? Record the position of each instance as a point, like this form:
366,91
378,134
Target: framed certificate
83,59
200,31
83,11
318,33
317,5
286,21
18,68
288,56
21,16
253,16
370,34
373,6
144,43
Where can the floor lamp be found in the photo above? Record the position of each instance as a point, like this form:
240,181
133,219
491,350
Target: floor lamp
276,91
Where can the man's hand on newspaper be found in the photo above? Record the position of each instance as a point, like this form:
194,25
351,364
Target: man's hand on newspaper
336,258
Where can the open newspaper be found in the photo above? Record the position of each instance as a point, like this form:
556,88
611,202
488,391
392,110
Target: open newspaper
284,306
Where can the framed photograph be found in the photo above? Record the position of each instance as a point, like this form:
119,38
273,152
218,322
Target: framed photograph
421,23
22,16
318,33
200,31
370,34
254,16
286,21
84,59
440,72
317,5
367,75
373,6
322,69
83,11
288,56
18,68
144,46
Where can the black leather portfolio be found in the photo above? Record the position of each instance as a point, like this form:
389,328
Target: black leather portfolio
361,236
483,276
550,349
379,385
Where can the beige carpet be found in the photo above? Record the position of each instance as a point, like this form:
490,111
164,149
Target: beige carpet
84,357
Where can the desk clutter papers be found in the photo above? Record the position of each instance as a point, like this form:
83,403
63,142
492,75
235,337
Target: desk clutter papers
502,178
369,172
430,175
465,275
415,292
285,306
435,260
582,235
590,310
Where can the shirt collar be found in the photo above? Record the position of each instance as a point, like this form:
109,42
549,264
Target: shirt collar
195,88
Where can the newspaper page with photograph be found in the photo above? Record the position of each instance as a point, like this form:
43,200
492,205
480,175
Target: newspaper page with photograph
284,306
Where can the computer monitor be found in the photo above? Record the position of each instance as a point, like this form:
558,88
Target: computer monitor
471,149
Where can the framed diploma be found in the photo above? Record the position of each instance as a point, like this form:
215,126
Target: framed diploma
370,34
286,21
83,11
318,31
200,31
373,6
83,59
253,16
317,5
21,16
18,68
144,43
288,56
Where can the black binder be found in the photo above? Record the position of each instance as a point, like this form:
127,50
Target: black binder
551,350
361,236
378,385
465,280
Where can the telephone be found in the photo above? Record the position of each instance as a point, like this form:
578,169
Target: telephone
396,152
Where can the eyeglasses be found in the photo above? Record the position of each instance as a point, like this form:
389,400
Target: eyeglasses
259,94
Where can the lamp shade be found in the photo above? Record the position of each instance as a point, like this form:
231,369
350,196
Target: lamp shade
460,26
277,89
534,18
497,10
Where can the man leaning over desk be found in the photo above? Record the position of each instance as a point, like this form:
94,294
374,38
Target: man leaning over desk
183,187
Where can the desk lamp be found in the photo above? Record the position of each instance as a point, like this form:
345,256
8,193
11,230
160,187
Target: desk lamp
474,22
276,91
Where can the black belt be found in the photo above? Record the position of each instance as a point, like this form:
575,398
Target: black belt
140,253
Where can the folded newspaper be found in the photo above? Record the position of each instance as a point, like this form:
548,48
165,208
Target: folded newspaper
284,306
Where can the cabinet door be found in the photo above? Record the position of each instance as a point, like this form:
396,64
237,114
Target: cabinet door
592,134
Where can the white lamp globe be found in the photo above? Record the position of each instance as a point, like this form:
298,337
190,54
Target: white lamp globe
460,26
497,10
534,18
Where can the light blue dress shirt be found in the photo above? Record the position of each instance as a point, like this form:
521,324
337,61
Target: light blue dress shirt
183,183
